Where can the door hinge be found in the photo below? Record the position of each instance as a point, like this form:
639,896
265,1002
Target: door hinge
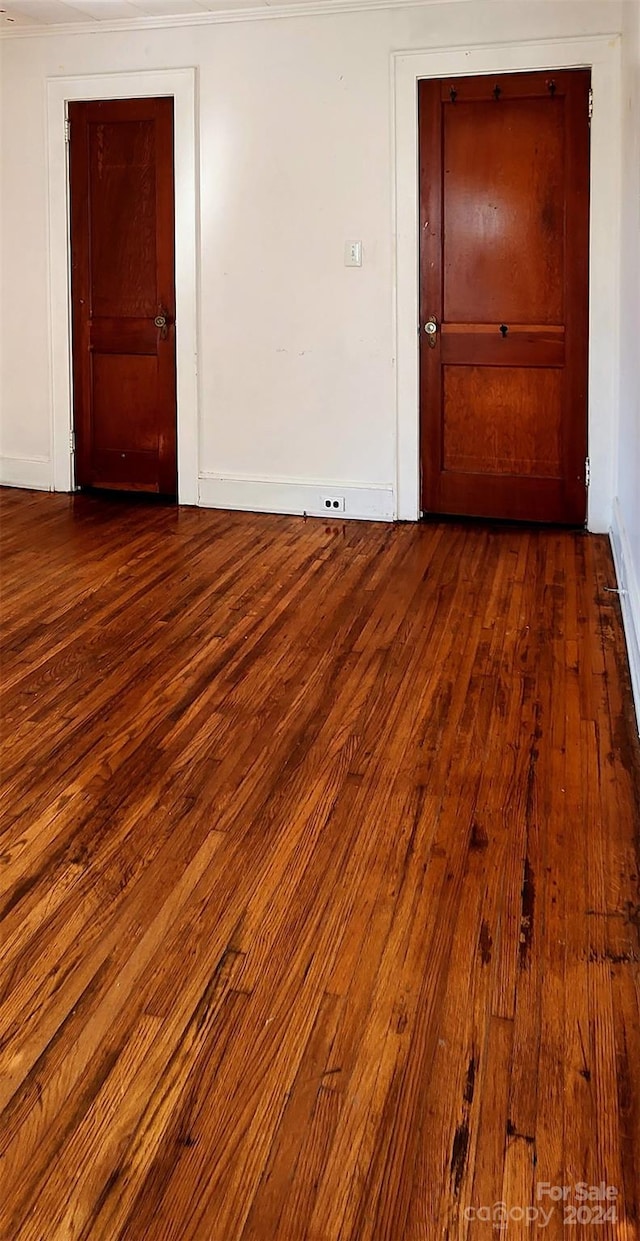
587,472
72,441
67,129
590,103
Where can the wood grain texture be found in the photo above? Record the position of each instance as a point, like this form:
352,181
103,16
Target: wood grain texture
492,421
320,904
504,260
122,277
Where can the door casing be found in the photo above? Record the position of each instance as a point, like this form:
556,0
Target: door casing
602,55
179,83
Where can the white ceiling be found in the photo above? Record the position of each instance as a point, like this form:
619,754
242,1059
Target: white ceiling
15,13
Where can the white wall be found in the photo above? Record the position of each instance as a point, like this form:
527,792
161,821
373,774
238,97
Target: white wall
626,524
297,374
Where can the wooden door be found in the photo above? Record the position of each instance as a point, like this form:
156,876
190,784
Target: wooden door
123,294
504,216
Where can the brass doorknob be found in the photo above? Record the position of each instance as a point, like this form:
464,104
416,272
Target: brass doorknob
431,328
161,321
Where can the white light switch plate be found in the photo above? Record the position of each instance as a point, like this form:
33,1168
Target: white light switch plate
353,254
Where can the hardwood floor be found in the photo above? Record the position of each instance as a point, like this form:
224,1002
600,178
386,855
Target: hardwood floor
321,914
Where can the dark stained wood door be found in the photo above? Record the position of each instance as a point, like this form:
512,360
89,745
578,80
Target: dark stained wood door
504,219
123,294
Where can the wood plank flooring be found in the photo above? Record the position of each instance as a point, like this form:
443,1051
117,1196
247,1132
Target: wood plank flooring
320,902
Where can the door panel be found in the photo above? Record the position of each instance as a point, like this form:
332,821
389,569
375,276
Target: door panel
124,402
122,250
492,424
492,201
504,171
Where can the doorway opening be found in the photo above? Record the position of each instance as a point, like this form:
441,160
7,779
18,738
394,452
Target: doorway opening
122,225
601,54
62,92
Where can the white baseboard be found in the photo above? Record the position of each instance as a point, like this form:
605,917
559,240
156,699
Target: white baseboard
34,473
629,597
278,495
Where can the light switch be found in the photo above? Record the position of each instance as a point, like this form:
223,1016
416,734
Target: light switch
353,254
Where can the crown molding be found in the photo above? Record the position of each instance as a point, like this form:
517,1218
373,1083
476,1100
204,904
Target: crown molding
248,13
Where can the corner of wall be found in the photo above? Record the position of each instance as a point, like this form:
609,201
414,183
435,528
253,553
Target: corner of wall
629,598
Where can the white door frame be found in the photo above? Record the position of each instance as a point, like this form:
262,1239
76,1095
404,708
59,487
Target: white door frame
602,54
60,91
